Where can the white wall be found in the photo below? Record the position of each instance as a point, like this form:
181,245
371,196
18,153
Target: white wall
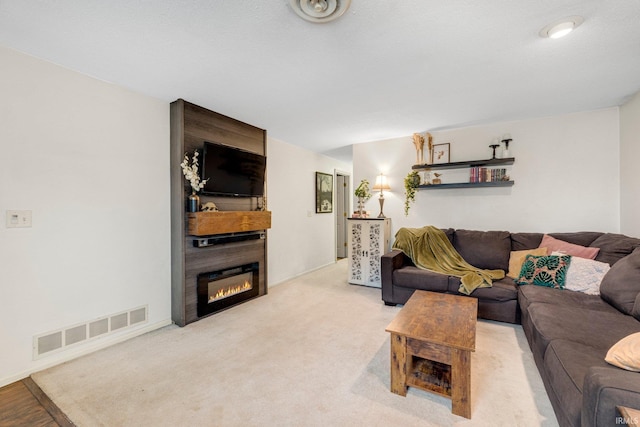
566,176
629,155
91,161
299,239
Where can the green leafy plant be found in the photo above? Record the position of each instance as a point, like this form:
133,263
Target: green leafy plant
362,191
411,182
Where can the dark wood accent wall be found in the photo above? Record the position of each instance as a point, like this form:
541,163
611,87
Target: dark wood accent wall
191,125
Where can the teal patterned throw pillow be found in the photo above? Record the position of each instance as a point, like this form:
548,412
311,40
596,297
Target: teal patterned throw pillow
549,270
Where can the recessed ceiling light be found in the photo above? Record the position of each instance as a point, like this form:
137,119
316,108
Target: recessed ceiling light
319,11
561,28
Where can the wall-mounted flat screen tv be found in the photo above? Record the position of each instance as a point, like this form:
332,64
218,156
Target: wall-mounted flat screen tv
232,171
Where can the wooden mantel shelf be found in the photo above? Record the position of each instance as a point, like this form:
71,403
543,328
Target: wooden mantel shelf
208,223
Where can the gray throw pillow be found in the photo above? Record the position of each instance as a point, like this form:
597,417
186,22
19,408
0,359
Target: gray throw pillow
621,285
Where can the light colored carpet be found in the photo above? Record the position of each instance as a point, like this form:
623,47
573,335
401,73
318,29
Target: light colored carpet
313,352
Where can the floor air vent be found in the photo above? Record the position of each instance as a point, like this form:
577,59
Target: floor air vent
52,342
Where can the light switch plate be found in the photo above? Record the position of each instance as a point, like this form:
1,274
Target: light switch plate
18,219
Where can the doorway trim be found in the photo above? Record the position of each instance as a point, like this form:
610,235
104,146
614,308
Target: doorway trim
343,207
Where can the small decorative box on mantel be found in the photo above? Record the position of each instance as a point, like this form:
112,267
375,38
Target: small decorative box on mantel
208,223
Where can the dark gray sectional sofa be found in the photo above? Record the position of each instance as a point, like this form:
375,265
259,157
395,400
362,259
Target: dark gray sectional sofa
569,332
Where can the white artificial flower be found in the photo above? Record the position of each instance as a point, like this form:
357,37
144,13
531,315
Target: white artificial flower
190,172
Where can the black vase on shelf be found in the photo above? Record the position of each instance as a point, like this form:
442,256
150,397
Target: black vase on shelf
193,203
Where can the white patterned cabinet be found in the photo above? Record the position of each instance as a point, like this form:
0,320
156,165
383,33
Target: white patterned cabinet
368,240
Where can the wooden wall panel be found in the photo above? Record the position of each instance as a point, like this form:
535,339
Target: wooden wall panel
204,125
191,125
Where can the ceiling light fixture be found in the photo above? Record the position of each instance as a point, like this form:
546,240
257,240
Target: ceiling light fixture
561,28
320,11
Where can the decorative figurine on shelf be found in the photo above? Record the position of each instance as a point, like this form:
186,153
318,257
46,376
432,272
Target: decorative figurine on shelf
506,139
436,180
209,207
363,194
190,172
494,146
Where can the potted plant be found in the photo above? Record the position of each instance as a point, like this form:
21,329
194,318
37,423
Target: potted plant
363,194
411,182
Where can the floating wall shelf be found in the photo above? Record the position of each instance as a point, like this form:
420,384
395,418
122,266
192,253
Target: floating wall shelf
467,164
489,163
467,185
210,223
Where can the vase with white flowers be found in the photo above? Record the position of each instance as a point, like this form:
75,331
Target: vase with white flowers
190,172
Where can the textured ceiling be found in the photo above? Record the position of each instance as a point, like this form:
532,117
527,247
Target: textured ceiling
385,69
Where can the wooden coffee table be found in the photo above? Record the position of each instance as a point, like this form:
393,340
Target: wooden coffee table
432,338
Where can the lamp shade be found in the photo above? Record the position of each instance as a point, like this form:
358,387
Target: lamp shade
381,183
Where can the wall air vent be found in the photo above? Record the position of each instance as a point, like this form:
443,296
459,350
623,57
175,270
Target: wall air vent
56,341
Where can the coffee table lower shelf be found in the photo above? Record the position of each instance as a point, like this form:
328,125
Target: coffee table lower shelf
430,376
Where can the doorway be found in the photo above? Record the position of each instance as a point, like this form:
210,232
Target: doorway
342,212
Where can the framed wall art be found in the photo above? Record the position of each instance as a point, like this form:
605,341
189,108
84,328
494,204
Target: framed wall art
441,153
324,192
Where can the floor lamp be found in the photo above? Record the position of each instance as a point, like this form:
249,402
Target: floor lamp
381,184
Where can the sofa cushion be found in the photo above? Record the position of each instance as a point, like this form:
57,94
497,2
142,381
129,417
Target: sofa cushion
556,245
416,278
582,238
449,232
516,258
595,328
484,249
625,353
531,294
566,363
621,285
522,241
548,270
614,247
500,290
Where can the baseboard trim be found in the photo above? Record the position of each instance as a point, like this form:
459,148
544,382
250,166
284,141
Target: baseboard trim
304,272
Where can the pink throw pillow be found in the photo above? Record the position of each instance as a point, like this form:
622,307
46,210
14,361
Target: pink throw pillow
553,244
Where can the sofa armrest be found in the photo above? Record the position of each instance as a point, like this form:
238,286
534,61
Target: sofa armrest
389,262
396,258
605,388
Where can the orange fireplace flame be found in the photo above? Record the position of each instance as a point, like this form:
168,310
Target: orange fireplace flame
229,291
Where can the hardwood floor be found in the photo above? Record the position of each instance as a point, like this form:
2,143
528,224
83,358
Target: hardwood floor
23,403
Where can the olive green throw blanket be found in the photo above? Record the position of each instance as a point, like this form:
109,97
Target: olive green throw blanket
430,249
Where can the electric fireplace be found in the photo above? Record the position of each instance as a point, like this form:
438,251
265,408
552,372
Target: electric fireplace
220,289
